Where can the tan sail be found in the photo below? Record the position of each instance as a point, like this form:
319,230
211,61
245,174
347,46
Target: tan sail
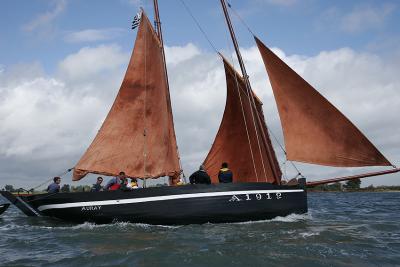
314,130
231,144
138,135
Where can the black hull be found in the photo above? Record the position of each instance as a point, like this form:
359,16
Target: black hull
3,208
189,204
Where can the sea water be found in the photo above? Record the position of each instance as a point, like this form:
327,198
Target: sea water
341,229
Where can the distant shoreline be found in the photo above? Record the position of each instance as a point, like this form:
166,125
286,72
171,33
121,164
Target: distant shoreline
354,190
353,186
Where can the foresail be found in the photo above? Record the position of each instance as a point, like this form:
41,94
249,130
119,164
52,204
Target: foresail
238,146
138,135
314,130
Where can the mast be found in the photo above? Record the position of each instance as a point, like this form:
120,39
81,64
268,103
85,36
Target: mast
160,36
159,33
157,23
248,89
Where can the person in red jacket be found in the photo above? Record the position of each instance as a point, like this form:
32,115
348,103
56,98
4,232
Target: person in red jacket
115,183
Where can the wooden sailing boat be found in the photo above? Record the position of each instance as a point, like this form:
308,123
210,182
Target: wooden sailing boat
138,137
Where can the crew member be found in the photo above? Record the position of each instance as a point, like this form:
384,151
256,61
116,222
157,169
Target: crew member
115,182
175,180
200,177
225,175
55,186
133,184
97,187
125,185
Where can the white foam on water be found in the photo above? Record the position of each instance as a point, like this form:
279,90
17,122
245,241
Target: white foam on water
289,218
119,225
305,235
292,218
85,226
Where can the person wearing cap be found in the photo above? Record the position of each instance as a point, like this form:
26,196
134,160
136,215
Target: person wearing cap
97,187
225,175
200,177
55,186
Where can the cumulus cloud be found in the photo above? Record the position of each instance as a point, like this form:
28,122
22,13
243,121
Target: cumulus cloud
89,62
179,54
47,122
93,35
43,21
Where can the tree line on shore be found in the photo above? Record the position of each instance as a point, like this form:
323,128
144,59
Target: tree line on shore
66,188
352,186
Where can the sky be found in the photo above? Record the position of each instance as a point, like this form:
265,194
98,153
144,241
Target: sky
62,62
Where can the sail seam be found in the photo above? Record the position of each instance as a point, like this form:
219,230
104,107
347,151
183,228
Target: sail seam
245,124
144,113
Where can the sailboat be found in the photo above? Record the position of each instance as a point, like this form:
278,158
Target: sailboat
138,137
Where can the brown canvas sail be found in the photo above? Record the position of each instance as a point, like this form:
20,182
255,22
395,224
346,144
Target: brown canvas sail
314,130
137,136
231,144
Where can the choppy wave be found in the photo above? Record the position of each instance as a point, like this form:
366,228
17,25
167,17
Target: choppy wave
357,229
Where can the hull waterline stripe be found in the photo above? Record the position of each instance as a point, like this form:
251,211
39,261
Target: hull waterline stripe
160,198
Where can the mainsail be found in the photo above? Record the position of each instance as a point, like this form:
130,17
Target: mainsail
138,135
239,139
314,130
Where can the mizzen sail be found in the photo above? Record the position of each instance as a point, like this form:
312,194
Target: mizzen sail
314,130
236,141
138,135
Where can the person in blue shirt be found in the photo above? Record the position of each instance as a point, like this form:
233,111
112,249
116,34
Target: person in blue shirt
55,186
225,175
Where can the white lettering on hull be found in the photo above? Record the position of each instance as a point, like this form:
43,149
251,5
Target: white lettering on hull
243,195
258,196
91,208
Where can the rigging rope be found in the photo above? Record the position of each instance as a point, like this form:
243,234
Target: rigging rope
144,113
241,20
198,25
284,151
245,124
269,130
60,175
242,109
